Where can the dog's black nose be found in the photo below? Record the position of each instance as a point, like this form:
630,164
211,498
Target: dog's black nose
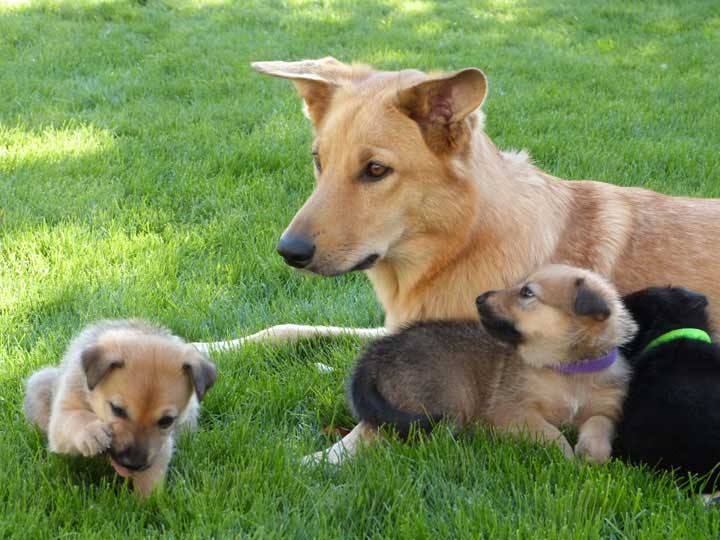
484,296
134,459
296,250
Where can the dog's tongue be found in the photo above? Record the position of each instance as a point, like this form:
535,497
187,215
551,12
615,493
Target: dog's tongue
122,471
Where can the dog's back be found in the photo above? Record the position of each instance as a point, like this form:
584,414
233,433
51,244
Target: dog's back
428,371
40,389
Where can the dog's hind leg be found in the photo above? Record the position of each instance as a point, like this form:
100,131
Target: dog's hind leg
290,332
361,435
39,392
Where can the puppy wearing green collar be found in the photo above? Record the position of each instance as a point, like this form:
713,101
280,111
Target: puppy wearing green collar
671,416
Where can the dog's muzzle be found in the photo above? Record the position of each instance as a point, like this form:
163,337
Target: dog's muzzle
498,327
133,459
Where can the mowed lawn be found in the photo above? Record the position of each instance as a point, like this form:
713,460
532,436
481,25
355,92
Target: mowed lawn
145,170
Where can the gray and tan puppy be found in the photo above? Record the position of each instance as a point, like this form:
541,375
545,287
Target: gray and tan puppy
124,387
546,358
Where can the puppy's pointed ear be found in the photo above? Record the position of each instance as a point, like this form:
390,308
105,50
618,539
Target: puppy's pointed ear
316,81
695,300
97,363
202,373
441,104
589,303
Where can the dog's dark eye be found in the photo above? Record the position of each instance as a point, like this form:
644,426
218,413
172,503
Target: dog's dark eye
375,171
118,411
526,292
166,421
316,159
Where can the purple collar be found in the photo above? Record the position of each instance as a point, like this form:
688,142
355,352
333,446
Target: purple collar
590,366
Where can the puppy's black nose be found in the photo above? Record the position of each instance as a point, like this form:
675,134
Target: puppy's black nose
134,459
484,296
297,251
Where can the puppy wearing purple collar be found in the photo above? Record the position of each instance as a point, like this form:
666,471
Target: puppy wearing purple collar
545,356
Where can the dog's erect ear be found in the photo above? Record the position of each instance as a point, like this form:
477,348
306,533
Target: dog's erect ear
315,80
202,373
441,104
97,362
589,303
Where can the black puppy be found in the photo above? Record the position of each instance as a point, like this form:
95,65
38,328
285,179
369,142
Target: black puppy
671,417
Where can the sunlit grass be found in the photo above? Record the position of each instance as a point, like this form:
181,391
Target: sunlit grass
20,148
145,170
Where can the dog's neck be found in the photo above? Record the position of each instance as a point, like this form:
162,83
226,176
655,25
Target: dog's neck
509,215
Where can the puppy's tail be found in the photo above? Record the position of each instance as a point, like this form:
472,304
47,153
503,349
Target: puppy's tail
39,392
372,407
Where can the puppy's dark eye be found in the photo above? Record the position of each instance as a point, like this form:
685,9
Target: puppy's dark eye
375,171
118,411
166,421
526,292
316,159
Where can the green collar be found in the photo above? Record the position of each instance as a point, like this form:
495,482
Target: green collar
680,333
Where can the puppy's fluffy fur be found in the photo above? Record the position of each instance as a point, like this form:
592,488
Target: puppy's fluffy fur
123,387
672,412
506,377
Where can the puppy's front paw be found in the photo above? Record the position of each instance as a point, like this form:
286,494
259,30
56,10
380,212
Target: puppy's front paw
567,450
94,438
593,449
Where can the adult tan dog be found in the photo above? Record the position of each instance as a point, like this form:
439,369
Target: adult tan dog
411,190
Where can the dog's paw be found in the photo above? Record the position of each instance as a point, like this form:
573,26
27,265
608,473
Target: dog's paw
593,449
94,438
561,442
334,455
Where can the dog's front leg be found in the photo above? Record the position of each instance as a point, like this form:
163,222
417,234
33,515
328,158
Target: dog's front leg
288,333
595,439
78,432
532,424
345,448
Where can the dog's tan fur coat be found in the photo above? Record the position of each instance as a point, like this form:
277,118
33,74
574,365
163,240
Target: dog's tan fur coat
457,216
465,217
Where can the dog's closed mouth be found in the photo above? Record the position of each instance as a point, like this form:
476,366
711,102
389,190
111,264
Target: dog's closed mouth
501,329
366,263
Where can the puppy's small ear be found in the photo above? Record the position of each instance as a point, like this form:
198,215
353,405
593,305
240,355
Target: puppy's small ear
589,303
696,300
97,362
439,105
315,80
202,373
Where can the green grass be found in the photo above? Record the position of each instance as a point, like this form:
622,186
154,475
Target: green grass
145,170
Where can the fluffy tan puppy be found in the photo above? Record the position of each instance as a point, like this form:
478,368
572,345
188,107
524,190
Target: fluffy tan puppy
124,388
